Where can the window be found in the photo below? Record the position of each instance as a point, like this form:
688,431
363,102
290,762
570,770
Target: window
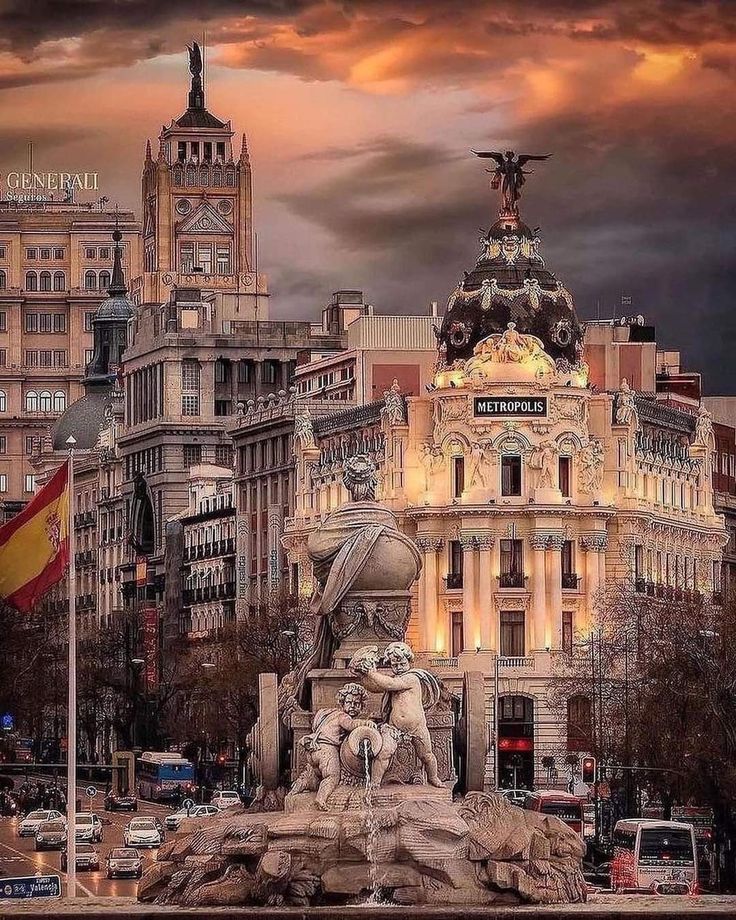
565,464
567,631
88,321
579,723
44,401
104,253
186,257
3,280
45,253
222,371
3,482
192,455
208,150
224,455
639,567
59,401
181,151
31,401
3,444
204,258
44,358
458,476
60,358
221,149
58,253
44,322
511,475
455,573
31,281
29,483
90,253
512,564
269,371
3,401
512,643
59,281
30,358
567,559
458,639
3,321
45,281
3,356
223,260
104,282
59,322
2,252
89,353
222,407
90,281
33,443
245,371
31,254
189,405
194,150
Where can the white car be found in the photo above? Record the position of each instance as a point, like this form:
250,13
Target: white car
226,798
142,832
88,827
29,826
195,811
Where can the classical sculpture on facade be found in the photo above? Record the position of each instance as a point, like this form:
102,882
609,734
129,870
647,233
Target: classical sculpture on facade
394,408
408,693
330,727
511,347
544,459
591,459
479,469
304,431
432,460
703,427
509,175
625,405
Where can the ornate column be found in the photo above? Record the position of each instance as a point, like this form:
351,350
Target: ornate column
553,616
538,542
488,638
594,545
429,546
471,613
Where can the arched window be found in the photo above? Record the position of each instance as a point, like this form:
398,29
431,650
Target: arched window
3,401
579,724
59,281
59,401
178,175
191,175
3,280
31,281
204,175
104,281
217,176
230,177
31,401
90,281
45,281
44,401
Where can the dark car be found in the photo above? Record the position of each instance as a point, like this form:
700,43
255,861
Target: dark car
51,835
118,801
124,861
87,857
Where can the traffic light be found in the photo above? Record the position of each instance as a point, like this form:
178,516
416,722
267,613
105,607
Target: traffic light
221,759
588,770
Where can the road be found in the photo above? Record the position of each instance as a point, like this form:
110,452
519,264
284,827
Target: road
19,858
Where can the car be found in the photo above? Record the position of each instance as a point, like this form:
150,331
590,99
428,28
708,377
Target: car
515,796
142,832
88,827
51,835
118,801
195,811
87,857
226,798
124,861
34,819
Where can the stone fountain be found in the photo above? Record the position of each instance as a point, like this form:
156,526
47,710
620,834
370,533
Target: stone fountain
370,816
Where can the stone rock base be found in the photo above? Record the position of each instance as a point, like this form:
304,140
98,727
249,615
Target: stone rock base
352,798
414,847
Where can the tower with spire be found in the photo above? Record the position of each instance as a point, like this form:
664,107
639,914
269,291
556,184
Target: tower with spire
198,208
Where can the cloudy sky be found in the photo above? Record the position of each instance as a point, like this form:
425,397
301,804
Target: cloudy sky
360,117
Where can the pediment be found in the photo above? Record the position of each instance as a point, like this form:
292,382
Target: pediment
205,219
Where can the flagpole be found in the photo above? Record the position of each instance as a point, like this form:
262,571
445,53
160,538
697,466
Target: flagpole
71,734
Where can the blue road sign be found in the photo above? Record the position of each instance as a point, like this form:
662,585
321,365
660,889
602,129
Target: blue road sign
7,722
34,886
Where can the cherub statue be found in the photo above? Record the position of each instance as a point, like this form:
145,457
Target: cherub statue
408,692
543,459
329,729
625,406
394,408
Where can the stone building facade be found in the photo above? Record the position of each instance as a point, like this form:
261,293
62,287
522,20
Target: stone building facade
530,480
55,267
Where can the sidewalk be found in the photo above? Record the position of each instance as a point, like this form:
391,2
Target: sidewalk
599,907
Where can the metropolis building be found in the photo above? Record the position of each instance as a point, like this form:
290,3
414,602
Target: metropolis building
539,467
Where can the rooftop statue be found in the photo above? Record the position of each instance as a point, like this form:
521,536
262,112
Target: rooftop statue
509,175
195,59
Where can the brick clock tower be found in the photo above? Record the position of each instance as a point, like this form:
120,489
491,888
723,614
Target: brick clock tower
198,211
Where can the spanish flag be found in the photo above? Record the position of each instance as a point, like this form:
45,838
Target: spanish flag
34,545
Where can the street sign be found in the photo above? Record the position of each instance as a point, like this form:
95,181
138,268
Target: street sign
90,791
7,722
188,803
39,886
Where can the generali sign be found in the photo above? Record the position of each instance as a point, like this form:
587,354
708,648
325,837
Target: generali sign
38,186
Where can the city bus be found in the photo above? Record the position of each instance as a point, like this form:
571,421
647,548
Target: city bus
653,855
563,805
161,774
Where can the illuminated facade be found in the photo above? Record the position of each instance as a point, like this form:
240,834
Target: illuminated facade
530,480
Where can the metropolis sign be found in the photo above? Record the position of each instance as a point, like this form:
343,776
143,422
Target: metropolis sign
510,406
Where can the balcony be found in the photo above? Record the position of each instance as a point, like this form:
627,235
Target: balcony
453,580
570,581
444,662
517,662
511,580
